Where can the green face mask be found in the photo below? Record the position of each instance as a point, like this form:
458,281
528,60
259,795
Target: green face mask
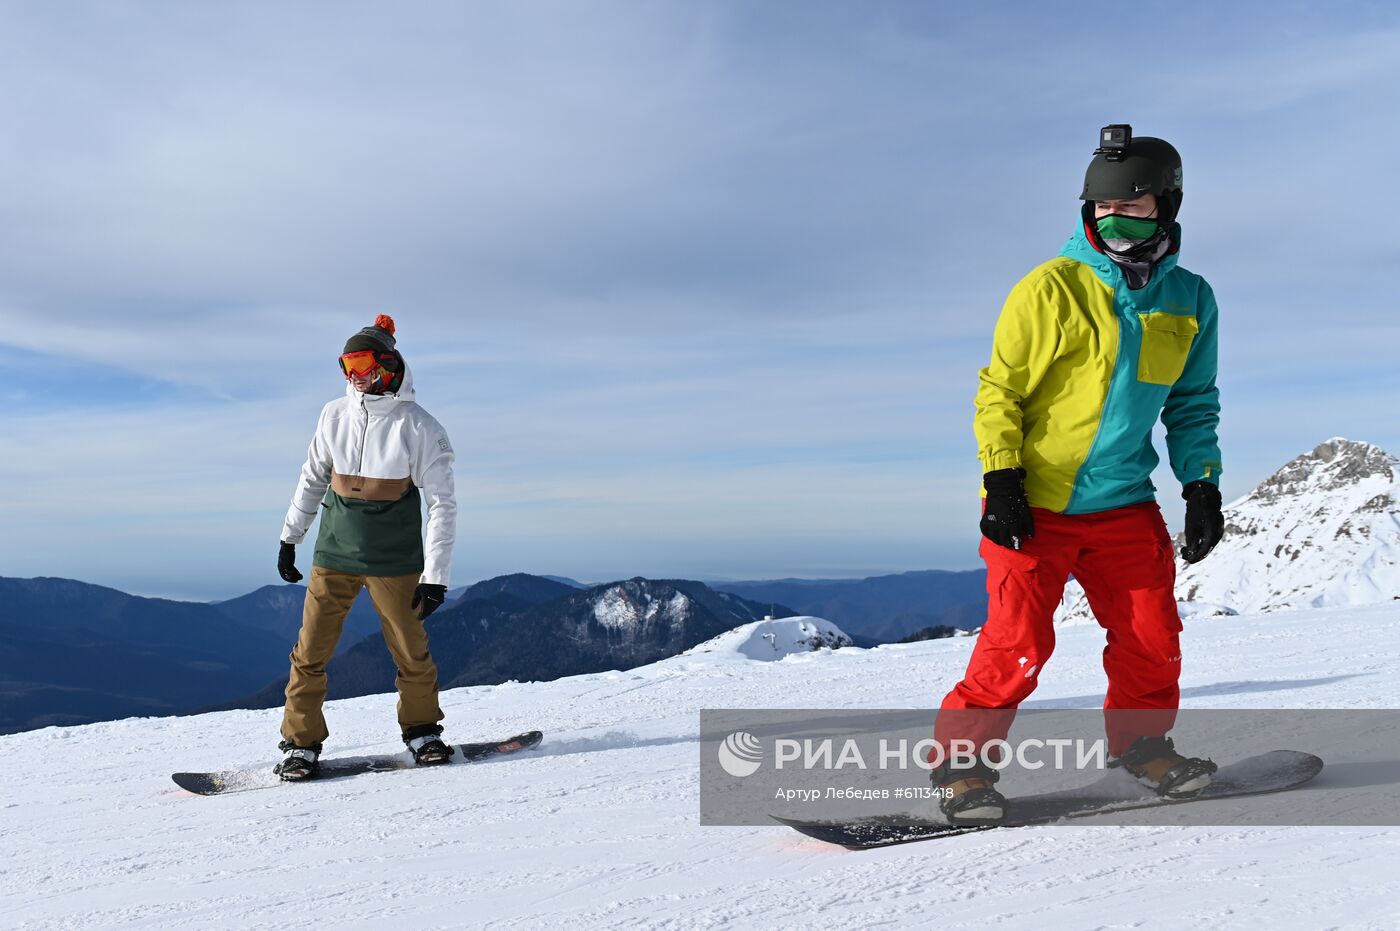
1133,228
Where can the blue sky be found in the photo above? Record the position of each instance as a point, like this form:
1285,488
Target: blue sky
698,289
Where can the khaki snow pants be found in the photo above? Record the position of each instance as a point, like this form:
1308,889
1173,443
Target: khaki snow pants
329,594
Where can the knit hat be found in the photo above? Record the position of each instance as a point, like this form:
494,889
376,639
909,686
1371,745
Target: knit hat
379,338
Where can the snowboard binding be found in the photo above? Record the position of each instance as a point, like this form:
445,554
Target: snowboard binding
1154,762
427,746
968,795
299,763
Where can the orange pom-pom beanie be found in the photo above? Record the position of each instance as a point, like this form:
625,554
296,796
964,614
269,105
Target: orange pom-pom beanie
379,337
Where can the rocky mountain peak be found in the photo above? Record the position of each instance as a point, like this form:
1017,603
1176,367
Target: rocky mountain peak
1336,464
1322,531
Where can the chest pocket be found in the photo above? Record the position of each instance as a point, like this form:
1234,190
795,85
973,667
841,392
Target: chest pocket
1166,342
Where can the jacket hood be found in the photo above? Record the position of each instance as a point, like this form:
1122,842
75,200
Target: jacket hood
405,392
1081,250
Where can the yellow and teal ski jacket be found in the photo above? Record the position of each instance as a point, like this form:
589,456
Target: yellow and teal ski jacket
1082,367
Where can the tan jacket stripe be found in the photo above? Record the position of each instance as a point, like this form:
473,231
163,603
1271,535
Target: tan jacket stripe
370,489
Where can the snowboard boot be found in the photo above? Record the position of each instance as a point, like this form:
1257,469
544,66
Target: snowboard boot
299,763
426,744
966,795
1154,762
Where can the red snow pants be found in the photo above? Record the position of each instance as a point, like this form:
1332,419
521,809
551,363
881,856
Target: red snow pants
1123,559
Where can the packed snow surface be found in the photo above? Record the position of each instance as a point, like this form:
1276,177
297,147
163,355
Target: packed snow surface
598,827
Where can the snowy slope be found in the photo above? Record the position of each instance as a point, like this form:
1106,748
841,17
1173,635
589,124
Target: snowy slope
598,827
769,640
1323,531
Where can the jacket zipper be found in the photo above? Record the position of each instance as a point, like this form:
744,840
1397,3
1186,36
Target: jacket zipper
1075,488
364,438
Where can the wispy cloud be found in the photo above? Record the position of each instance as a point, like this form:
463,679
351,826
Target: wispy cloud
695,287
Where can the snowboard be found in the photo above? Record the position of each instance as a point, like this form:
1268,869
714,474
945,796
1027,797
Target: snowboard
1275,771
244,780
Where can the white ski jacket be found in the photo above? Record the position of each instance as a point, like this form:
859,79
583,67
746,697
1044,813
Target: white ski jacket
373,447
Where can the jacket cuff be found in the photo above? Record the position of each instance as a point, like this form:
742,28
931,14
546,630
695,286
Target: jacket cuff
1001,459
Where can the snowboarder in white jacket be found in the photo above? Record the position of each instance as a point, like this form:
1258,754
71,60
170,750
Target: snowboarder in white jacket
375,459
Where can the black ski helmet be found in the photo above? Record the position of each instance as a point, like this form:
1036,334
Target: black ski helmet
1127,167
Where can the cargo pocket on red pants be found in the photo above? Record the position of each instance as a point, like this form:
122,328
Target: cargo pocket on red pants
1162,597
1019,636
1011,575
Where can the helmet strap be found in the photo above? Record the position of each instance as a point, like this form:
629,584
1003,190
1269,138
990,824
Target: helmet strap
1169,205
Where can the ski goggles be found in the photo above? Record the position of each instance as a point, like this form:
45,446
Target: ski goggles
378,367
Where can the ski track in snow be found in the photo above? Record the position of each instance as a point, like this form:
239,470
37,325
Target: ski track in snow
599,826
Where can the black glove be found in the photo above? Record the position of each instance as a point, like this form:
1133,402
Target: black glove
1007,519
430,596
1205,525
286,563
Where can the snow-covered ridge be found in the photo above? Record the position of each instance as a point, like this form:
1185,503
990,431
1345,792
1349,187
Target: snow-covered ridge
1322,531
772,639
624,608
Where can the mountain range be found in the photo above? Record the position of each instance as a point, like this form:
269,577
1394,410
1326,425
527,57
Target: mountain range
71,653
526,628
74,653
277,610
1323,531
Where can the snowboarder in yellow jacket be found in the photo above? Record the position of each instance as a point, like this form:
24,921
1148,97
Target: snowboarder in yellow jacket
1092,349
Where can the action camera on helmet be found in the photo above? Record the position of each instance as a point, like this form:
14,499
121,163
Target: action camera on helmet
1114,140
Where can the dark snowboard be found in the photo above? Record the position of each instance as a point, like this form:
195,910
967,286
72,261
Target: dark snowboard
243,780
1275,771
